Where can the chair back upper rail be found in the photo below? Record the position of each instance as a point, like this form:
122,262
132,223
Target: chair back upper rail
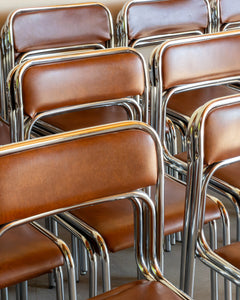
141,19
80,79
58,26
74,167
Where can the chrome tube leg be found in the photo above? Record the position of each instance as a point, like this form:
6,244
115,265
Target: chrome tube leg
106,271
179,236
72,290
92,273
213,245
83,259
59,283
22,291
4,294
237,292
173,239
168,247
75,255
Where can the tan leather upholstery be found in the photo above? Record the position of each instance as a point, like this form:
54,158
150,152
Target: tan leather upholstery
118,158
161,17
5,137
229,174
141,289
187,102
87,118
26,253
114,221
47,86
221,132
229,11
68,26
199,61
230,253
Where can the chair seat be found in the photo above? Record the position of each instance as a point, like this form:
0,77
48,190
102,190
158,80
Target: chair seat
230,253
26,253
87,118
5,137
140,289
115,221
230,174
187,102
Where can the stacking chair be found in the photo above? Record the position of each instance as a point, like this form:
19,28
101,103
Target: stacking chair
91,88
188,72
105,175
228,15
213,145
34,32
141,23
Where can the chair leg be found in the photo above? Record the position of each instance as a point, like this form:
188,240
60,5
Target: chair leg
92,273
83,259
22,291
214,275
75,255
59,283
168,246
179,236
4,294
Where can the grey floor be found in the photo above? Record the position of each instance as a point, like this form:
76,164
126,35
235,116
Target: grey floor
123,269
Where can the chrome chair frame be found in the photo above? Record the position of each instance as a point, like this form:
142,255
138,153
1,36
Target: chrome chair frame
99,247
8,60
199,178
21,127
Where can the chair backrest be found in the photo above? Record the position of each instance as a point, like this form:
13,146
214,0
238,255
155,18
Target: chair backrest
59,26
142,22
213,142
34,32
194,62
66,170
229,15
53,85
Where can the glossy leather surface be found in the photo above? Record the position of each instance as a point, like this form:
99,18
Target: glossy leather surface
67,26
187,102
100,166
87,118
161,17
230,253
201,59
229,174
26,253
5,137
141,289
114,221
78,81
221,134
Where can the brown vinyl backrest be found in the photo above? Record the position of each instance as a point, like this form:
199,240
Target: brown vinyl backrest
200,58
99,75
59,26
149,18
71,172
221,133
229,11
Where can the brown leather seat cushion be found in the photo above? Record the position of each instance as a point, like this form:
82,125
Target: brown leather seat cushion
5,137
114,221
26,253
87,118
230,174
230,253
141,289
187,102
